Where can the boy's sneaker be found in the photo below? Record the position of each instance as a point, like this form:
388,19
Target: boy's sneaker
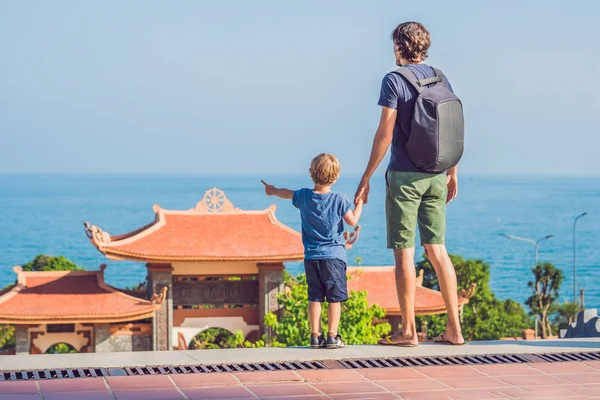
335,342
317,341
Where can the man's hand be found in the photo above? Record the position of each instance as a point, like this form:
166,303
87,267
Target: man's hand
269,189
452,182
362,192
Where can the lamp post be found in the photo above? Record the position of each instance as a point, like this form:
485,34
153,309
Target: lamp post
575,257
536,243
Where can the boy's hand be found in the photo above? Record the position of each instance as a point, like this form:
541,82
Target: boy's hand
269,189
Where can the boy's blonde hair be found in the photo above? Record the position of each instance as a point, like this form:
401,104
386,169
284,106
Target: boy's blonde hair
324,169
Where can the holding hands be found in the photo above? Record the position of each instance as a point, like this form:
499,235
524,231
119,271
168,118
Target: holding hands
362,192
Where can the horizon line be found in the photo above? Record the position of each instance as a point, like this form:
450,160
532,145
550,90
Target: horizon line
259,174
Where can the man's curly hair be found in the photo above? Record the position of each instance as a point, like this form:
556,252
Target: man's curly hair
412,40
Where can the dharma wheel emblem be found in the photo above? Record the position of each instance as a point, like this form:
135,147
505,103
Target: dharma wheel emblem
214,201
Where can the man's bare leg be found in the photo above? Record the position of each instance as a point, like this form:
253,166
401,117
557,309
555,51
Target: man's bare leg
446,275
406,285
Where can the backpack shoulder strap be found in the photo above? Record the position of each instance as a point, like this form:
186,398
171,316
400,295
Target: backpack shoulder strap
410,77
419,85
440,75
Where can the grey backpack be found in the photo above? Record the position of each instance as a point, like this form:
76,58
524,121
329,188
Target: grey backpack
436,140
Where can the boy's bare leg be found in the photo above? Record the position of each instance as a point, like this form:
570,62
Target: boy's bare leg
438,255
314,316
334,313
406,286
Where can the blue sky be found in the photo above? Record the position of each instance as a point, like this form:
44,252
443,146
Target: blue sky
261,87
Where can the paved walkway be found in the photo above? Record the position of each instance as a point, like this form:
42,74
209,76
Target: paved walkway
195,357
575,380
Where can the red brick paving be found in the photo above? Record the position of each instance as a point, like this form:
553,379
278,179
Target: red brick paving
278,390
344,375
141,394
71,385
572,380
272,376
348,387
19,397
498,370
204,380
384,374
140,382
232,392
78,395
450,372
412,385
27,387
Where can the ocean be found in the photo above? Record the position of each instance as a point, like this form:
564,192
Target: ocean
45,214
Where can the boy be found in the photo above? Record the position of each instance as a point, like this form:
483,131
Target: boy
322,212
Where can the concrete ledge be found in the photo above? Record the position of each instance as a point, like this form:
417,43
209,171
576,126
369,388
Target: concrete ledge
195,357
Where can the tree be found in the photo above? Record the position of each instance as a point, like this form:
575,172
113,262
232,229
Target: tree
61,348
485,317
545,288
45,262
215,338
7,337
219,338
564,314
357,324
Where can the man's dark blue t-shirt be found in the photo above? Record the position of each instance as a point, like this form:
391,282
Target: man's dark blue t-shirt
397,93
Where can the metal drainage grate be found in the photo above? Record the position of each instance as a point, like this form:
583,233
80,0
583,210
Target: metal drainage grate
305,365
53,374
563,357
210,368
433,361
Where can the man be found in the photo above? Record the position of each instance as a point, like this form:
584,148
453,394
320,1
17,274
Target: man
413,195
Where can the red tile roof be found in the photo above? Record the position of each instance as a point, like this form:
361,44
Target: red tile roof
214,230
70,297
379,282
199,236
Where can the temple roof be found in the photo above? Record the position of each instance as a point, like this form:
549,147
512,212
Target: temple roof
379,283
70,297
212,231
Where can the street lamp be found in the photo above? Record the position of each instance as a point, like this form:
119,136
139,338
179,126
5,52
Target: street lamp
536,243
575,258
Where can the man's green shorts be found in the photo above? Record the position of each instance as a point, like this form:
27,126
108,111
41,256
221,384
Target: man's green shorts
413,197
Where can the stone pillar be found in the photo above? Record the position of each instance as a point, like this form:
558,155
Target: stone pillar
159,276
102,338
22,345
270,282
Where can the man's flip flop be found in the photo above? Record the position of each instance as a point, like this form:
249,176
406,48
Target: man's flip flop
442,340
387,341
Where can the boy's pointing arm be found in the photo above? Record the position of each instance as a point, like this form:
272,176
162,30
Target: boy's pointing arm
271,190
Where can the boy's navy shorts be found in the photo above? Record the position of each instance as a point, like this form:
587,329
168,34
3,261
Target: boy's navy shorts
326,279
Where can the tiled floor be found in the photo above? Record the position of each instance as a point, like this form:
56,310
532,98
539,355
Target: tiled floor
576,380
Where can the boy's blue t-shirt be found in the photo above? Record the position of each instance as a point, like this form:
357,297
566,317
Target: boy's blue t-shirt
322,223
